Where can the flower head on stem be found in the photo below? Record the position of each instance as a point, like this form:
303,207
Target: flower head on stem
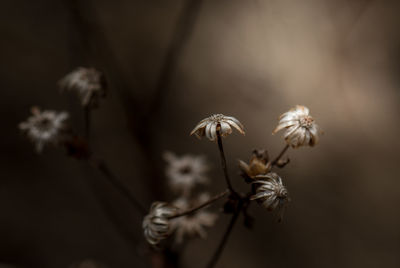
301,129
270,192
217,122
156,224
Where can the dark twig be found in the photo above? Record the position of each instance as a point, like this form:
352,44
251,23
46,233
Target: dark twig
228,231
275,161
103,168
208,202
223,163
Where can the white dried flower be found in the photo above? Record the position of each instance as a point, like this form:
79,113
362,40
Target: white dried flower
185,172
89,83
270,191
156,224
44,127
300,127
193,224
217,122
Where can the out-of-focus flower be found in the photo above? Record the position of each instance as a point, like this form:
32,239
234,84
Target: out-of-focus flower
89,83
156,224
218,122
44,127
300,127
193,224
258,164
270,191
185,172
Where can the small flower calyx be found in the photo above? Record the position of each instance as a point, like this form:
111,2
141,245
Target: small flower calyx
258,165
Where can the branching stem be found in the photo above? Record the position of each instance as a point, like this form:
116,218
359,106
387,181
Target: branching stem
208,202
275,161
228,231
103,168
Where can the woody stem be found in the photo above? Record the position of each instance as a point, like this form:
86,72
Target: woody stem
208,202
223,163
120,187
227,233
275,161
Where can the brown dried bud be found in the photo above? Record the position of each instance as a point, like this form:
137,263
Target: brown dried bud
258,165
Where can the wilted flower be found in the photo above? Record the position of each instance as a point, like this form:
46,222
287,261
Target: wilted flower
218,122
44,127
89,83
185,172
193,224
258,164
300,127
270,191
156,224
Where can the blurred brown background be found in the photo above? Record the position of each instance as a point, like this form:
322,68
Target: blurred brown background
172,63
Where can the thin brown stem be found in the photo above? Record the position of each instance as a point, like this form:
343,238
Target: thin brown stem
228,231
275,161
223,163
208,202
103,168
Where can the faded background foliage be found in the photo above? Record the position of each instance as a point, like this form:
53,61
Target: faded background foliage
251,59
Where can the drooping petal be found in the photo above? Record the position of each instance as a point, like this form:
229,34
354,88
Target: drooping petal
261,195
225,129
237,122
208,131
213,131
199,126
283,125
238,127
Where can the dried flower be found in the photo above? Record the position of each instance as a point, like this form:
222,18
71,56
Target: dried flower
258,164
89,83
185,172
44,127
300,127
156,224
218,122
270,192
193,224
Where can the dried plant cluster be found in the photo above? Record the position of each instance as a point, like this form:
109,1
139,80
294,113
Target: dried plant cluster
265,186
188,215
